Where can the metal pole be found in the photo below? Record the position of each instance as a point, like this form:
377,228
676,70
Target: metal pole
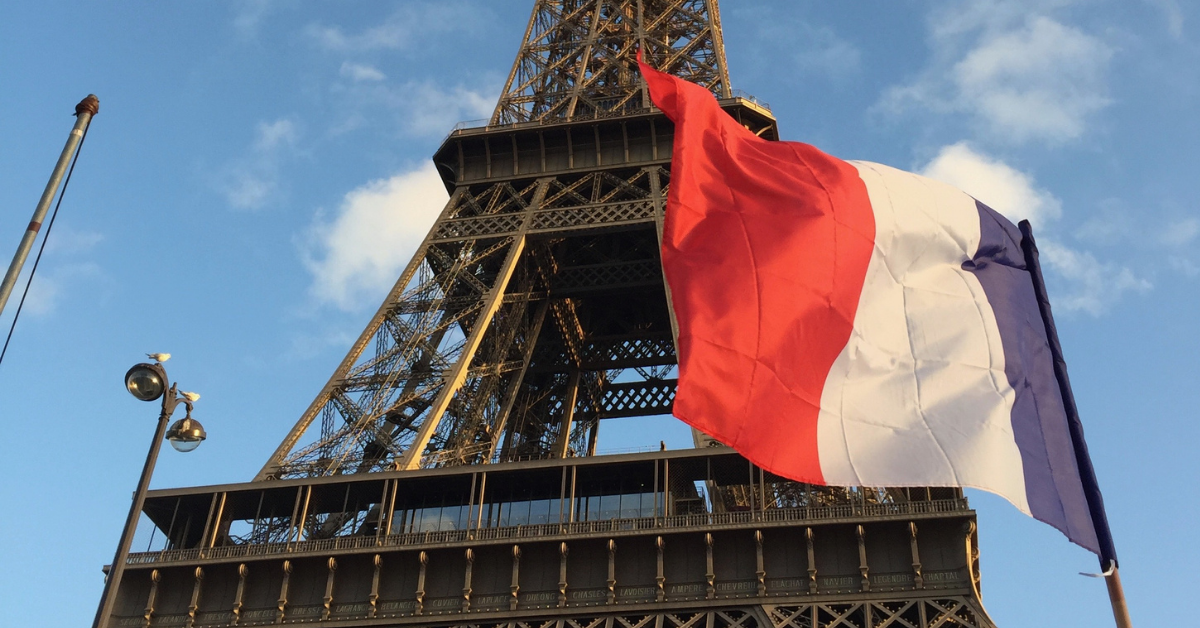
84,111
113,582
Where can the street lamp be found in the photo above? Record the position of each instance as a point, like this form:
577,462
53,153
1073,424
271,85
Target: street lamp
149,382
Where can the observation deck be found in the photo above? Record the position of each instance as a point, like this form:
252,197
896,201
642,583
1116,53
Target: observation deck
655,533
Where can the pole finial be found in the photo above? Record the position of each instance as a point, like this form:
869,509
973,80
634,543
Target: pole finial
91,104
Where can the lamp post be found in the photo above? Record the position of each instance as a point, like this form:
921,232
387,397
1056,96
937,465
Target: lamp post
148,382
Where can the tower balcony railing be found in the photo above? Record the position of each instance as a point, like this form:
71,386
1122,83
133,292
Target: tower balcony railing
485,124
638,525
737,93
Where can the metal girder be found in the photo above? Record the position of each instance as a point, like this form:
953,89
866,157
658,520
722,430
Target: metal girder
604,353
644,398
563,438
550,221
484,398
619,276
411,459
578,57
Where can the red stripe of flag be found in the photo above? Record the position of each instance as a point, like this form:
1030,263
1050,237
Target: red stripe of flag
765,250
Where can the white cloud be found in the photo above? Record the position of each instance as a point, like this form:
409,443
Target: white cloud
278,134
307,346
252,181
1110,223
390,35
995,183
811,49
1160,230
249,15
66,240
1092,286
1185,266
968,17
44,295
50,286
1018,74
1085,283
411,23
359,72
1040,81
249,190
429,109
1181,233
830,54
1148,231
357,256
421,108
1173,14
56,280
417,106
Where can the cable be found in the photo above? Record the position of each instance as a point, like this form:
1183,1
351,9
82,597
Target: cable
45,238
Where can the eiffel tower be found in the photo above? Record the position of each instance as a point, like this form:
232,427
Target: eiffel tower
447,474
502,339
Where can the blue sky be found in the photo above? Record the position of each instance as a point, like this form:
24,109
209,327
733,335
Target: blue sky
258,174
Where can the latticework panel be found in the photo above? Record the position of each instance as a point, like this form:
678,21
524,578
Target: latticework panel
615,352
578,59
571,202
951,612
371,414
638,398
508,296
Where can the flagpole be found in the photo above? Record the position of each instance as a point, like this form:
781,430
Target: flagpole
1116,595
84,111
1087,474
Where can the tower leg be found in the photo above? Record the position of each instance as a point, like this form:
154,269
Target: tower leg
411,459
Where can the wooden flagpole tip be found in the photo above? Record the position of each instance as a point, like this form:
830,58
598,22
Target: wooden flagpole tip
1116,595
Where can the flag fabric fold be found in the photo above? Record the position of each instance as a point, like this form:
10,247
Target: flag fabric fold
847,323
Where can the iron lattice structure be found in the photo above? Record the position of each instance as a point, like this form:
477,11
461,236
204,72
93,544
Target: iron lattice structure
502,338
460,428
578,57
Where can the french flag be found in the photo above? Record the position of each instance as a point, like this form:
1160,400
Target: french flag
847,323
